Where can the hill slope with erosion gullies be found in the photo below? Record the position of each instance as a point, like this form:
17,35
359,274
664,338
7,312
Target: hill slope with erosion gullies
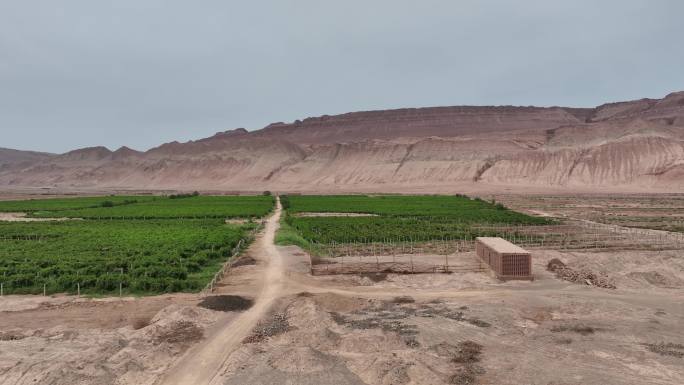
636,145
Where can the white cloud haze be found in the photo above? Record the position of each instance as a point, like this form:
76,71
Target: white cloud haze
139,73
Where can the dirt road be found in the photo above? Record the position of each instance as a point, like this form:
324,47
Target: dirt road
202,364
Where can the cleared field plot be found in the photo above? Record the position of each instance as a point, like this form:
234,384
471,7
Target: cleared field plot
399,263
162,248
664,212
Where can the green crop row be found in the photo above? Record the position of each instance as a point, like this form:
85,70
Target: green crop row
157,244
144,256
382,229
167,207
398,218
61,204
459,207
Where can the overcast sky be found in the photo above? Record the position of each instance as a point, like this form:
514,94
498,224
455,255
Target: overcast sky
143,72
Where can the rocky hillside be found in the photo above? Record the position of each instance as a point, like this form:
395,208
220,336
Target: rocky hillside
636,145
17,160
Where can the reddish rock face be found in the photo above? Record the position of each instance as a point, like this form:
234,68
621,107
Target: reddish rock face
445,122
629,145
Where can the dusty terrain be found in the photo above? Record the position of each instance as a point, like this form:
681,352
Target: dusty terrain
663,211
633,146
292,328
21,217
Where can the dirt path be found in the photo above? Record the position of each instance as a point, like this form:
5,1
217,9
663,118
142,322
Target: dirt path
201,365
22,217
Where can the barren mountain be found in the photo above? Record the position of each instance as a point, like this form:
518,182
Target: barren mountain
16,160
635,145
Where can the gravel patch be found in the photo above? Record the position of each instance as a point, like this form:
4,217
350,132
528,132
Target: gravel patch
226,303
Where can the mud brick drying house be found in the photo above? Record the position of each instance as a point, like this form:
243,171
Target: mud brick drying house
506,260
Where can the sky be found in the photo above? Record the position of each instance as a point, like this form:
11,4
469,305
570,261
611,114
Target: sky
78,73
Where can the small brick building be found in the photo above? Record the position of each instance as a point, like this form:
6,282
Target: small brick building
507,261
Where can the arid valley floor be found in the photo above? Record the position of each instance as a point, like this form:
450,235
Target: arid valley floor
274,323
342,193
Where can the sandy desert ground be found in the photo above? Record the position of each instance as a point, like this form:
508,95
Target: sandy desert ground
273,323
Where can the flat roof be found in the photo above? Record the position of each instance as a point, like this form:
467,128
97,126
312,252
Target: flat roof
501,245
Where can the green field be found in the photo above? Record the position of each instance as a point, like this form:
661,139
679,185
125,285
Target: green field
165,207
61,204
459,207
398,218
162,248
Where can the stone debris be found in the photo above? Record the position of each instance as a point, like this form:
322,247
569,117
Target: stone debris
667,349
180,332
581,276
278,324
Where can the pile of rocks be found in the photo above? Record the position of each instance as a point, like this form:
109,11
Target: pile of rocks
581,276
278,324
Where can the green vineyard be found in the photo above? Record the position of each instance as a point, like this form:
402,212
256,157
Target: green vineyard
397,218
165,207
162,245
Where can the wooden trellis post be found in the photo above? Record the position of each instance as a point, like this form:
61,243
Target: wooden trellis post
393,252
